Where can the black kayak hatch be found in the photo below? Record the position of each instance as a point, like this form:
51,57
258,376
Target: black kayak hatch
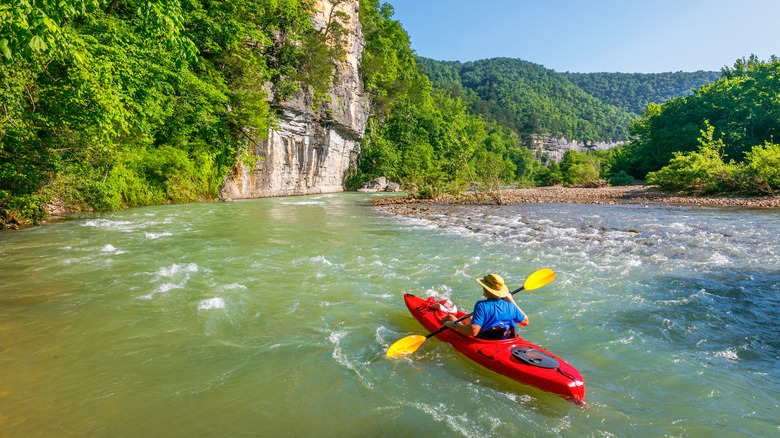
534,357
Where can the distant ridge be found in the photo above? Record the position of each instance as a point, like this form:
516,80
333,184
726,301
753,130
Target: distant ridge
531,99
632,92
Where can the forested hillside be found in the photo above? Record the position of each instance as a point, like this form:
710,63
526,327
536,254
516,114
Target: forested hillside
529,98
717,137
631,92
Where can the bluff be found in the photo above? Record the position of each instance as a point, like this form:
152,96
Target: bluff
555,147
309,150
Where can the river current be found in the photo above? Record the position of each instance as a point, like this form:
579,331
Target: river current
271,317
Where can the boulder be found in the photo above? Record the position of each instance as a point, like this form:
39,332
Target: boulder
380,184
376,184
392,187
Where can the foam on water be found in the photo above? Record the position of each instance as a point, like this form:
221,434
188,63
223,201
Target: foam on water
212,303
167,276
320,259
304,203
440,413
153,236
730,354
719,259
114,225
337,338
163,288
170,271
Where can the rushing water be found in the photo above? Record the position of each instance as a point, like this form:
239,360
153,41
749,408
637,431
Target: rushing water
271,317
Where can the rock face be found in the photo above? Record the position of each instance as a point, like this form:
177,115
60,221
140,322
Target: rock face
555,147
310,152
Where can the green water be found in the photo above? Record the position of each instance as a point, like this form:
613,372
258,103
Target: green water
271,317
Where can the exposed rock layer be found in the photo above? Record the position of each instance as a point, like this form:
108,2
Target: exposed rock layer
310,151
555,147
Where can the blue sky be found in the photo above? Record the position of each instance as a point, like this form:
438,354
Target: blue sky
650,36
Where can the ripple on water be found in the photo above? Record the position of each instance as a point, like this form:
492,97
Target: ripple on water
167,276
114,225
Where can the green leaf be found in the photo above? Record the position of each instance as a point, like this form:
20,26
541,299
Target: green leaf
4,48
37,43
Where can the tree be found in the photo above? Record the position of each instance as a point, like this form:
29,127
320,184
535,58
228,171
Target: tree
580,168
490,167
388,65
742,107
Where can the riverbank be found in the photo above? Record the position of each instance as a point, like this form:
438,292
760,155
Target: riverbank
605,195
568,195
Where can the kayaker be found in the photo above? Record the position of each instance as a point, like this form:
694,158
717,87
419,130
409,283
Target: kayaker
495,316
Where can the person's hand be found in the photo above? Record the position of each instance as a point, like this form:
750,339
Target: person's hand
449,324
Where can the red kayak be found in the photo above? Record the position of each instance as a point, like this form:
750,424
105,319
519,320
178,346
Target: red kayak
516,358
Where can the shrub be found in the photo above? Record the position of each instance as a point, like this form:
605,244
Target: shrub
697,172
22,209
549,175
762,170
621,179
586,172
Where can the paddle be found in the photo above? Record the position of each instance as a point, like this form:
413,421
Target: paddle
410,344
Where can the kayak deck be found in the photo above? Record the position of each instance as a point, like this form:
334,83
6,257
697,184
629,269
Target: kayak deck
516,358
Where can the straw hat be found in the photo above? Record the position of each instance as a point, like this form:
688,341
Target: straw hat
494,284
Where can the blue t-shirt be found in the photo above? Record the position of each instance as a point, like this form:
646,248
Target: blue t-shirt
494,312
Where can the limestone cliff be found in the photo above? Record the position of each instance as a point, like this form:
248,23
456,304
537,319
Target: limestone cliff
309,152
555,147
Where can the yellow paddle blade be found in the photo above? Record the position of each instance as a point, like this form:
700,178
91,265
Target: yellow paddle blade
406,346
539,279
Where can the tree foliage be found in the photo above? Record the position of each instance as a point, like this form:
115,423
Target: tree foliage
701,171
423,137
742,107
704,171
388,65
111,103
632,92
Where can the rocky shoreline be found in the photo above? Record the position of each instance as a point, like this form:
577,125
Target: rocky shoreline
605,195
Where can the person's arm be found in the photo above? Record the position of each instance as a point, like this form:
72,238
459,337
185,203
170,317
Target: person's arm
524,322
466,329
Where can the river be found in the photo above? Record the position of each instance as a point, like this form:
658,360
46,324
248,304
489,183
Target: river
271,317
